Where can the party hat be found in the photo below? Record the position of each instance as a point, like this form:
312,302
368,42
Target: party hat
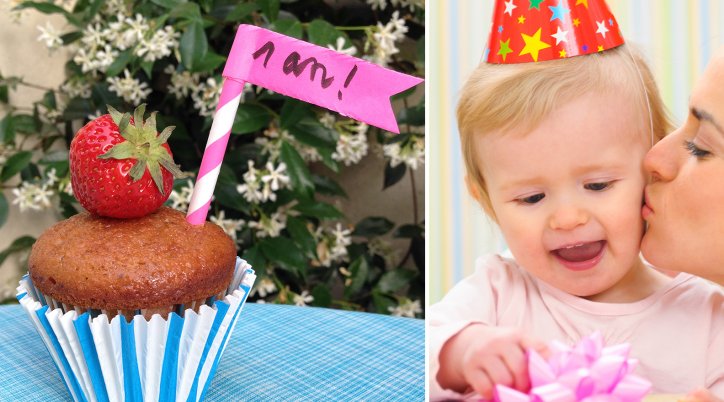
540,30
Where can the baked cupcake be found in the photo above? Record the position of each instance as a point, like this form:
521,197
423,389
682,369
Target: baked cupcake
132,302
151,264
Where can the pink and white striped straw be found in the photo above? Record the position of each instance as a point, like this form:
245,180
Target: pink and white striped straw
214,153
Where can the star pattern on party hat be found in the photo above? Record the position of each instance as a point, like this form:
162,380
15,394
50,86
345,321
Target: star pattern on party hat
539,30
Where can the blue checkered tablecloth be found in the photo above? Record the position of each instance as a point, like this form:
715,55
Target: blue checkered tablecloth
280,353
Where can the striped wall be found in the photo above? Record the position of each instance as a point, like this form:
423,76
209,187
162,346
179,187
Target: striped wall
676,36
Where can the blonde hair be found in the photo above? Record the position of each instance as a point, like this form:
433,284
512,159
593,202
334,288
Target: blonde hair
499,97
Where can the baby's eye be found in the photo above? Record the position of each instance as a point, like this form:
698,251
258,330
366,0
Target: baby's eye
597,186
532,199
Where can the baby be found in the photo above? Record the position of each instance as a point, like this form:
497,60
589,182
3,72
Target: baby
553,152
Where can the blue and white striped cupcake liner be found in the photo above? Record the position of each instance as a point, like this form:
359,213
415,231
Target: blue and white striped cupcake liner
171,359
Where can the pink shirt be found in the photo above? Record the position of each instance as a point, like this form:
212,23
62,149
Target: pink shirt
677,333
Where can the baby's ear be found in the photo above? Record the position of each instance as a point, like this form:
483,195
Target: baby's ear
472,188
474,191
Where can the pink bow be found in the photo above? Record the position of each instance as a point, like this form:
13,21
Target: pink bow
587,372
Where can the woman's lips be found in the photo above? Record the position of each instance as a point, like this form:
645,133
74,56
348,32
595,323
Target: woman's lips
582,256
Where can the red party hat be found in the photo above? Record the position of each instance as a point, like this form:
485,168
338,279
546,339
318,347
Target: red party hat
540,30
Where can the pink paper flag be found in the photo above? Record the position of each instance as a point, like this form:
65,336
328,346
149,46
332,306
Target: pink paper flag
351,86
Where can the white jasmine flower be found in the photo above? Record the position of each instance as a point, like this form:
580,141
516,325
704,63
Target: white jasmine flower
352,146
51,177
50,36
66,187
407,308
135,30
230,226
159,46
303,299
130,89
412,153
114,7
276,175
32,196
94,36
86,60
377,4
339,47
270,226
206,97
327,120
105,57
180,199
183,83
385,38
76,87
265,287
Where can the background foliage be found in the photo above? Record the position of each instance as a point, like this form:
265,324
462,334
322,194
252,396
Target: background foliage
276,191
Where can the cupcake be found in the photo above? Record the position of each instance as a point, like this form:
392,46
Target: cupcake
132,302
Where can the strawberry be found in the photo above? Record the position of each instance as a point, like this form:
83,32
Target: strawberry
121,167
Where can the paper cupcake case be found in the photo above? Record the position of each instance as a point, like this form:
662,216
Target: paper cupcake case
172,359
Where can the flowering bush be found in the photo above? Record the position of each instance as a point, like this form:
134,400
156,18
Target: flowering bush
276,189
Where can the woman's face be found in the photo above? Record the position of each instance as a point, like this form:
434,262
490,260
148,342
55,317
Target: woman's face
685,200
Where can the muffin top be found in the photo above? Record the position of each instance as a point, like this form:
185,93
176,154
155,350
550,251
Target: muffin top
154,261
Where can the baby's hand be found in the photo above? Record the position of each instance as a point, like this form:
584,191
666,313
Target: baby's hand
486,356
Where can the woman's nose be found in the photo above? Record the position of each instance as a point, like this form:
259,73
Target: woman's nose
568,217
662,160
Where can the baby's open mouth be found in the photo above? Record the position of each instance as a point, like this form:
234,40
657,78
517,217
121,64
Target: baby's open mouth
580,252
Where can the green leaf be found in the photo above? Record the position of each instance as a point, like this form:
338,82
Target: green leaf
394,174
408,231
301,179
193,45
71,37
4,93
210,62
60,155
270,8
302,237
15,164
323,33
120,63
293,111
3,209
322,296
325,185
48,8
20,244
285,253
288,27
414,116
254,256
168,3
250,117
7,131
383,302
49,100
147,67
373,226
319,210
26,124
313,133
359,270
78,108
241,11
395,280
186,10
404,94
